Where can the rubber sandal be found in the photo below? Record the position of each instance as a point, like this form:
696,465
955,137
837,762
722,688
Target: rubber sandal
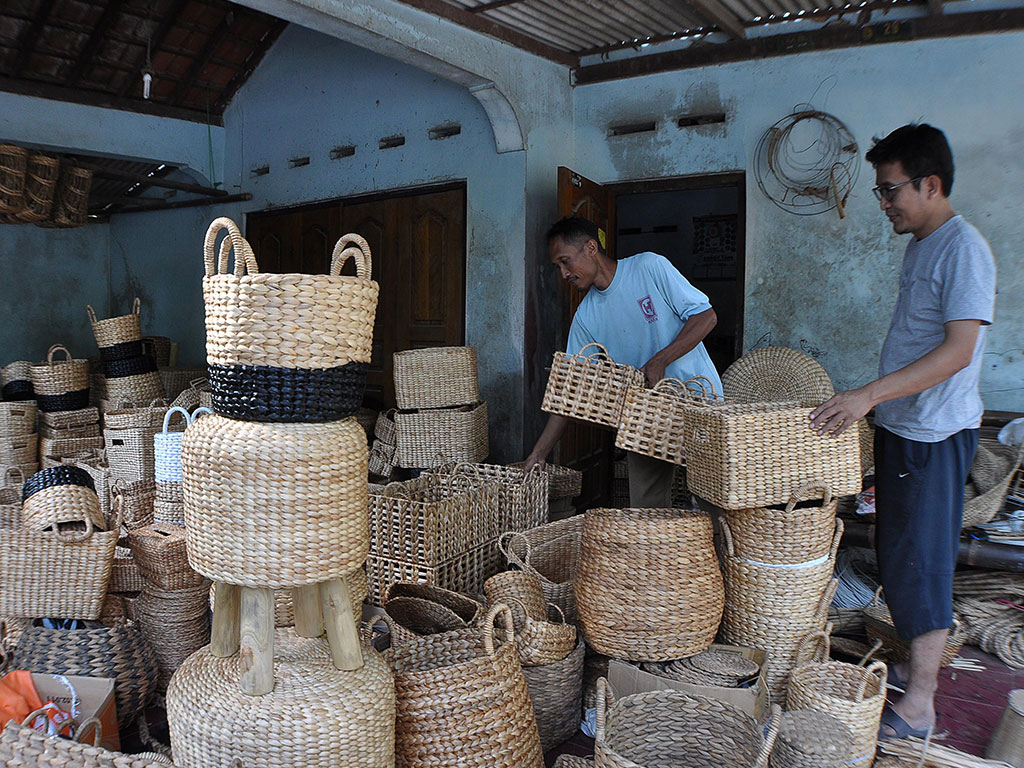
901,728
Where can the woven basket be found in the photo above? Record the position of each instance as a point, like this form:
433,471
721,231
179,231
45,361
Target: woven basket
648,586
439,680
129,451
522,497
125,415
758,454
794,534
90,430
552,553
122,351
137,388
381,461
177,380
653,421
660,728
169,505
41,175
10,497
159,347
116,330
435,377
125,575
878,626
773,374
464,607
55,451
159,550
556,692
982,508
384,427
167,446
413,617
16,380
61,386
176,623
62,420
28,748
590,387
809,739
60,495
120,653
1007,741
563,482
518,587
138,501
852,694
19,449
466,572
13,163
543,641
17,418
432,438
245,530
314,717
196,394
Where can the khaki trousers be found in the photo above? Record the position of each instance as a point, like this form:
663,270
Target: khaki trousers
650,481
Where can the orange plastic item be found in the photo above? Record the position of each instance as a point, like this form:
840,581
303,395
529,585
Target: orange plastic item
18,697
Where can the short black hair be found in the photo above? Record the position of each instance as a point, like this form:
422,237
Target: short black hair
921,149
575,230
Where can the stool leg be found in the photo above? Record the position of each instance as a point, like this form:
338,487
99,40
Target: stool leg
256,655
224,636
309,621
342,633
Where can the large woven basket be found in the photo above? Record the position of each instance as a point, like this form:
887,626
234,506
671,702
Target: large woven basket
660,728
465,608
653,421
556,692
13,163
982,508
28,748
589,386
809,739
435,377
41,176
10,497
314,717
175,622
466,572
275,505
16,380
439,680
56,421
17,418
757,454
648,586
435,437
793,534
61,386
772,374
552,553
116,330
522,497
139,381
60,494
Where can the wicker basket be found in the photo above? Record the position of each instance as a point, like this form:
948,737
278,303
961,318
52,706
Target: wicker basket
413,617
56,451
61,386
384,427
19,449
169,505
10,497
544,641
432,438
137,388
245,530
13,163
589,387
177,380
659,728
381,461
653,421
556,692
774,374
465,608
91,431
758,454
522,498
16,380
175,622
809,739
28,748
552,553
116,330
435,377
167,446
438,681
17,418
648,587
60,495
466,572
41,175
878,626
521,588
795,534
71,204
982,508
314,717
563,482
62,420
159,550
138,501
125,575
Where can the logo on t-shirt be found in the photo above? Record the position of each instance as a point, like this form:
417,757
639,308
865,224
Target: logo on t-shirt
647,307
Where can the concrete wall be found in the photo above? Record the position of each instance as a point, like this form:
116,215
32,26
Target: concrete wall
819,283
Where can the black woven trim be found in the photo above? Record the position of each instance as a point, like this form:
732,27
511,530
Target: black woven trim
63,474
18,389
123,351
69,401
265,393
133,366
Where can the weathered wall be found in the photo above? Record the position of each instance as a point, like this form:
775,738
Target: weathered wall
819,283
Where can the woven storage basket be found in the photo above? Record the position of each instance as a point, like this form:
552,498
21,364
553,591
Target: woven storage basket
809,739
16,380
758,454
167,446
159,550
17,418
13,163
464,607
138,500
90,430
28,748
41,175
243,485
19,449
381,461
563,482
94,462
852,694
314,717
772,374
589,386
125,575
413,617
60,420
125,415
556,692
435,377
648,586
55,451
196,394
137,388
519,587
10,497
653,420
384,427
796,533
71,202
552,552
543,641
130,453
432,438
175,622
120,653
660,728
878,626
982,508
177,380
116,330
440,683
61,386
522,497
61,494
466,572
160,349
169,506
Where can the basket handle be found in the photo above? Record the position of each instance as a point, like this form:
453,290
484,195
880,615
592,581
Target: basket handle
355,246
505,545
600,351
819,651
92,314
836,538
97,734
137,306
56,348
561,613
200,411
41,712
803,490
707,387
75,537
876,668
605,698
671,386
769,738
727,538
395,490
19,476
826,600
488,626
877,599
244,258
171,412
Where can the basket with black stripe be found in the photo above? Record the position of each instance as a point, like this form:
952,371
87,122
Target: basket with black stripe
61,385
16,381
134,380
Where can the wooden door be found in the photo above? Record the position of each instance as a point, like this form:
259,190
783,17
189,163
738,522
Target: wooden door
584,446
295,241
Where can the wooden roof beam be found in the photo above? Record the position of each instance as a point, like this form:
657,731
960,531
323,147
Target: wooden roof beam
484,7
27,41
96,38
212,43
714,12
150,181
250,64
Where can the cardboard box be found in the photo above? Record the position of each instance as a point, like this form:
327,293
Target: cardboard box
626,679
95,698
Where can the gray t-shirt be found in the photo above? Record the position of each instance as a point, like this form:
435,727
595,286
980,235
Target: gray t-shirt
949,275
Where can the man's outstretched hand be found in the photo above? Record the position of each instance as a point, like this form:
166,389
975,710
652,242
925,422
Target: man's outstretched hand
654,371
840,412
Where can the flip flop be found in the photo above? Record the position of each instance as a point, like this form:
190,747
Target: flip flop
901,728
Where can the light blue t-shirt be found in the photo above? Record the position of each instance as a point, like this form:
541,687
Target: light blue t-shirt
640,313
949,275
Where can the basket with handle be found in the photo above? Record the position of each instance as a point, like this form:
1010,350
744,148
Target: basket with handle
465,607
167,445
159,550
126,415
60,494
13,164
542,641
809,739
520,587
589,386
177,380
466,572
435,377
125,575
17,417
55,421
434,437
983,507
653,420
138,499
384,427
675,728
135,380
61,385
381,459
16,380
10,497
522,496
551,552
556,692
415,617
122,329
563,482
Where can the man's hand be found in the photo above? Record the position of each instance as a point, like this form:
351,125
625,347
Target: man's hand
654,371
840,412
535,460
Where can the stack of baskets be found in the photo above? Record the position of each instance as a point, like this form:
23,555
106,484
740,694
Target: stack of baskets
385,445
130,373
19,443
69,435
275,497
28,184
440,416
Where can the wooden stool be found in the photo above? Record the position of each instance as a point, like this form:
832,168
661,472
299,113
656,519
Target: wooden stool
243,623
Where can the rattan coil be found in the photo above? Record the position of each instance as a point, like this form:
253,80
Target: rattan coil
796,533
55,379
116,330
809,739
556,692
19,449
13,164
435,377
175,622
466,572
432,438
648,586
771,374
244,482
522,497
160,552
28,748
653,421
589,386
41,176
552,552
758,454
18,418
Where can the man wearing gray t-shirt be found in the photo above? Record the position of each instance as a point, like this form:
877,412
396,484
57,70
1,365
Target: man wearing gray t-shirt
927,407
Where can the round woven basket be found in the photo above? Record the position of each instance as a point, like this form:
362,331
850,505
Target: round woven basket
60,494
556,691
809,739
116,330
316,717
18,418
441,681
175,622
13,163
41,175
16,381
648,585
465,607
772,374
545,641
275,505
551,552
522,587
61,386
137,389
414,617
659,728
796,533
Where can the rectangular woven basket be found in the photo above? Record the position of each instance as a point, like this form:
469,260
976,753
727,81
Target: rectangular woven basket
435,377
522,498
589,386
746,455
432,438
653,420
466,572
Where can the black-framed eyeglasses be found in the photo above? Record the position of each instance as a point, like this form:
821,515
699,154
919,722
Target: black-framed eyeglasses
888,193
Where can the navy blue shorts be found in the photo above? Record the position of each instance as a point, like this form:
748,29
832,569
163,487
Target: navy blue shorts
919,500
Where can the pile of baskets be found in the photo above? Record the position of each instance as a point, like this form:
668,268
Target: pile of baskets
38,188
129,371
67,435
19,443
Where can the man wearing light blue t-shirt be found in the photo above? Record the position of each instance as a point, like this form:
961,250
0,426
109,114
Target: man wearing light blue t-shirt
645,314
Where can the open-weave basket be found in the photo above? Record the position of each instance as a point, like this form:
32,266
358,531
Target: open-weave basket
61,385
772,374
982,508
747,455
116,330
660,728
793,534
41,176
17,417
13,163
465,572
589,386
556,692
552,552
28,748
809,739
441,681
850,693
275,505
315,717
522,497
563,482
878,625
160,552
72,199
435,377
435,437
648,586
653,421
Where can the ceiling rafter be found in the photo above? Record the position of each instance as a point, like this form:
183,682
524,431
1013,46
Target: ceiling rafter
216,37
243,74
159,38
29,36
96,39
